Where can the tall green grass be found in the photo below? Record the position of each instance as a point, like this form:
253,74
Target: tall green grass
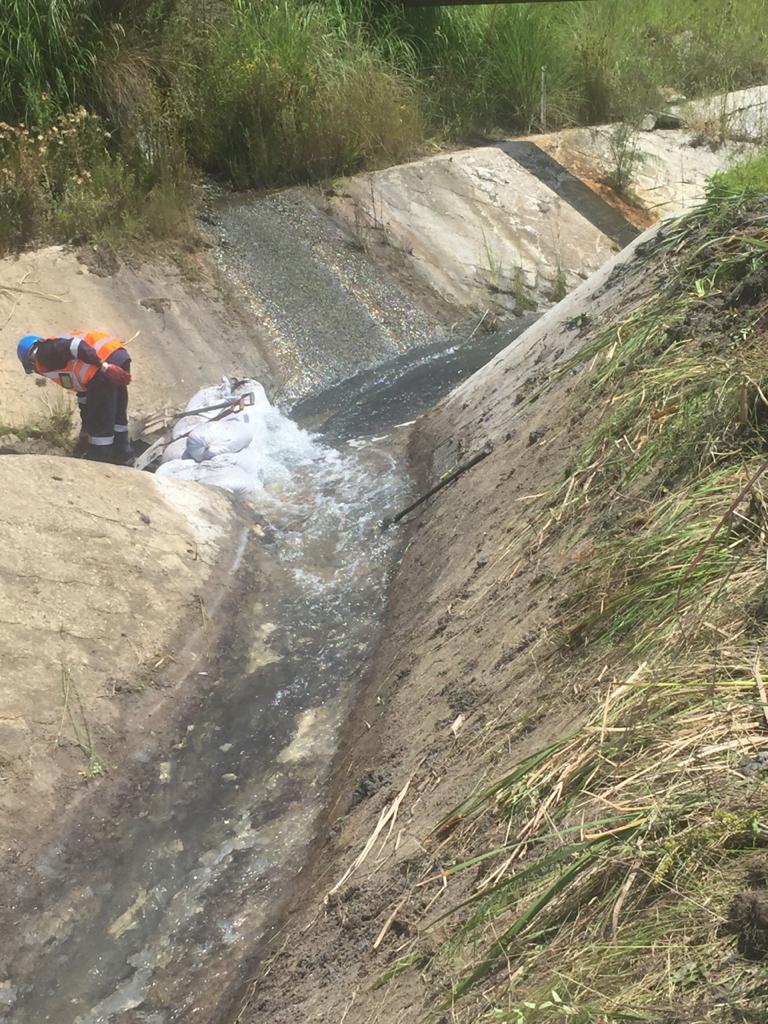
269,92
283,92
47,53
600,60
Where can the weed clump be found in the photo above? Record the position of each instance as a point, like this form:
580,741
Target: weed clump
54,428
748,178
63,182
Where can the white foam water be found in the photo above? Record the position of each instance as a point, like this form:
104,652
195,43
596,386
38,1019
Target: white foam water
325,502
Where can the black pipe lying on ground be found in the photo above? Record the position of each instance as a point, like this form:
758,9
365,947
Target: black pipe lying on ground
447,479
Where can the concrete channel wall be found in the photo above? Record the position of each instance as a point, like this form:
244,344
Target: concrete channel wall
518,224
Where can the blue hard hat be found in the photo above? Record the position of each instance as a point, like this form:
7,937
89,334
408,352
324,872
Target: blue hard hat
24,350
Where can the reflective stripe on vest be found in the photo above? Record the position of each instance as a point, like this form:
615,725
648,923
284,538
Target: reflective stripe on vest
77,374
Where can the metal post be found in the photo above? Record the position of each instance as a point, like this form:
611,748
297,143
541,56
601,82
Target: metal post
543,97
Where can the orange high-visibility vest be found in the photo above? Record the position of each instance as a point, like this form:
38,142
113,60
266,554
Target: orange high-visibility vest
77,375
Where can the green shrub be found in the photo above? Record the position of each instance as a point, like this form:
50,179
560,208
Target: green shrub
63,183
749,177
285,93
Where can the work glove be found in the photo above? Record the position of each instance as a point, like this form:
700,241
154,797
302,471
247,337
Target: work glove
116,375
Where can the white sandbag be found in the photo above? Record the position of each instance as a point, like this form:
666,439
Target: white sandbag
219,438
261,403
175,450
253,414
214,474
183,426
210,396
202,400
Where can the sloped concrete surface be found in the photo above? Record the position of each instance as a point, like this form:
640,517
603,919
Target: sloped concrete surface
189,334
103,578
477,228
670,171
669,174
741,116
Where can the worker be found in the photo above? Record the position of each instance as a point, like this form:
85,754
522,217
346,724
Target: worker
97,367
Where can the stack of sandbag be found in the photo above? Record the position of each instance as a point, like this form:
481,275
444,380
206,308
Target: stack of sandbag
242,452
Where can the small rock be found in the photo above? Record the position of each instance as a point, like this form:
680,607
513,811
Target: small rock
157,305
648,123
229,777
370,784
535,436
669,121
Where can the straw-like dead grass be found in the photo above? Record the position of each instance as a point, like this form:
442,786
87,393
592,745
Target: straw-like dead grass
604,877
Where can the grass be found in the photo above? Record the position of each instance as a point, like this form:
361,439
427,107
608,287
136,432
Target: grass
64,183
600,834
613,875
55,427
272,93
74,712
295,92
748,178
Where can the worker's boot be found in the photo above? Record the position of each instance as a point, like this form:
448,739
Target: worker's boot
122,452
99,453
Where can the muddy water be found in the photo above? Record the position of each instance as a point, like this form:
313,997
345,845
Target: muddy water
152,919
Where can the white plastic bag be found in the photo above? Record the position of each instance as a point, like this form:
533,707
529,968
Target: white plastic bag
210,396
175,450
202,400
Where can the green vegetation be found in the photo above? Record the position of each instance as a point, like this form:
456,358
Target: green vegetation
607,830
73,712
54,427
280,91
747,178
621,873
